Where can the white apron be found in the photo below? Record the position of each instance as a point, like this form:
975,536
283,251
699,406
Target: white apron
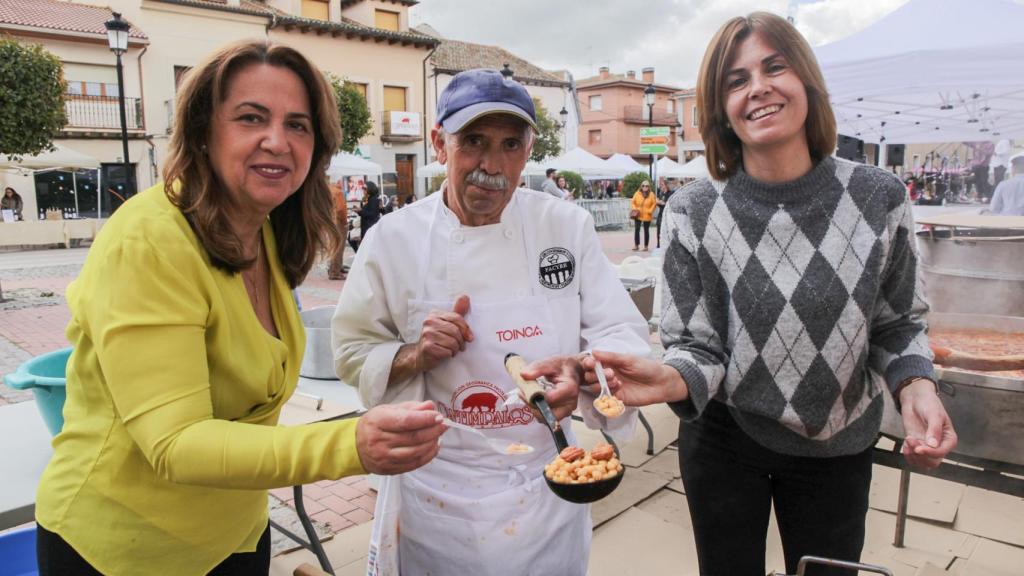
472,510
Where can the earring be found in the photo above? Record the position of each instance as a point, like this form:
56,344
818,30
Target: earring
203,148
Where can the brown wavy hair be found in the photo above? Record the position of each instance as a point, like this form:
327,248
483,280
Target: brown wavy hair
723,149
303,224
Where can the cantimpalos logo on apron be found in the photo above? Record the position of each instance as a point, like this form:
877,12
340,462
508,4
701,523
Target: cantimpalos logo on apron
557,268
482,405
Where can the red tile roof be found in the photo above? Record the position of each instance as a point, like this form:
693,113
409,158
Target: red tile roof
58,15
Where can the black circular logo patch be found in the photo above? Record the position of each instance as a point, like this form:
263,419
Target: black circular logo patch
557,268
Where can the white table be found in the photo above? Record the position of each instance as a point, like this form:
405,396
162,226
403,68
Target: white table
25,448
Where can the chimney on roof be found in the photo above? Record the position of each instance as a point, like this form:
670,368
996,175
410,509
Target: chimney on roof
631,75
648,74
603,72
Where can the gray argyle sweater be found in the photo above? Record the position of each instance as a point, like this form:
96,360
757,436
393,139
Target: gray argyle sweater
795,303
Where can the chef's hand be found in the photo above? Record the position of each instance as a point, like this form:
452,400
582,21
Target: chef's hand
444,335
565,373
396,438
635,380
930,433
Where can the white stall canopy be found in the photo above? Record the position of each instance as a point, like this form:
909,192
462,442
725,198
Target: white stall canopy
696,168
584,163
626,164
61,157
435,168
931,71
344,164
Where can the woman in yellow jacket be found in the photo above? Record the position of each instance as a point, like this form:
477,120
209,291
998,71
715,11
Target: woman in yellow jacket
187,341
642,212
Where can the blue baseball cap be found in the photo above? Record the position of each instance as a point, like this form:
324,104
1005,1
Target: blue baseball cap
480,92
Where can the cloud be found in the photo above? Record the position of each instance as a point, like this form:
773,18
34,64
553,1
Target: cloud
670,35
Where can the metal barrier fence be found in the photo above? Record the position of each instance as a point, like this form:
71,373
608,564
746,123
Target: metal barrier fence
609,214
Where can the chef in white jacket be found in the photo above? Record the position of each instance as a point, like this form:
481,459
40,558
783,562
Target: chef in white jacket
438,294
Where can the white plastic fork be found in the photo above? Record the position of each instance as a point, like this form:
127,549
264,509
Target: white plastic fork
497,445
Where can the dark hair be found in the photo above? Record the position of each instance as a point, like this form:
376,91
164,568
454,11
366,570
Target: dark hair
303,224
13,191
549,172
723,148
371,188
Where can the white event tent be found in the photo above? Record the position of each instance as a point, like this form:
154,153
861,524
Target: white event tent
696,168
60,157
584,163
931,71
435,168
345,164
624,163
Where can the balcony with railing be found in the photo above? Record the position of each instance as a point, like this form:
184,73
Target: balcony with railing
101,113
637,114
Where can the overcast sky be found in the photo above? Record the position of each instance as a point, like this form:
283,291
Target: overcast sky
671,35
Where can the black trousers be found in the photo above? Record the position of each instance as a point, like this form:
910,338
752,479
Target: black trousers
731,483
981,182
636,232
57,558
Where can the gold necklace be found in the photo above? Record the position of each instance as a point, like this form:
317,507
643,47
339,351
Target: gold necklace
251,282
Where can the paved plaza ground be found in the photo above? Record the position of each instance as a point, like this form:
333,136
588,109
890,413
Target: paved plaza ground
953,529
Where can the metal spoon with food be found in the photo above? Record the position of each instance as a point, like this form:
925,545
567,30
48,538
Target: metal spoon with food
598,483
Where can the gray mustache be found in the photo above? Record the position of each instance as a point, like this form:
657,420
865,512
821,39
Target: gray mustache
484,180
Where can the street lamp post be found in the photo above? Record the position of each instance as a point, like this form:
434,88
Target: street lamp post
117,37
649,101
563,119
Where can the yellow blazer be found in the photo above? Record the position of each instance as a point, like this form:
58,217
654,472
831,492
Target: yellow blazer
174,388
645,207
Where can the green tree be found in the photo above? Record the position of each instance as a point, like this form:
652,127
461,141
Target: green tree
32,105
546,145
355,114
632,182
574,182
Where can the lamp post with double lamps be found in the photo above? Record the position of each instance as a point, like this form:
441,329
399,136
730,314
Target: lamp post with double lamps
649,101
117,37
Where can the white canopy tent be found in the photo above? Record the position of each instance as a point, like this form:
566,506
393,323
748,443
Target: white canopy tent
61,157
931,71
625,163
584,163
696,168
344,164
435,168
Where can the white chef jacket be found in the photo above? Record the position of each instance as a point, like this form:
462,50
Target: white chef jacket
371,319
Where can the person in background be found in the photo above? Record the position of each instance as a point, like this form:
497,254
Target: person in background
482,259
551,184
641,210
12,201
981,154
335,267
1008,198
778,347
1000,160
664,193
370,211
563,187
177,378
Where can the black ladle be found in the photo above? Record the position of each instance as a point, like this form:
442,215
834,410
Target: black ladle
534,394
